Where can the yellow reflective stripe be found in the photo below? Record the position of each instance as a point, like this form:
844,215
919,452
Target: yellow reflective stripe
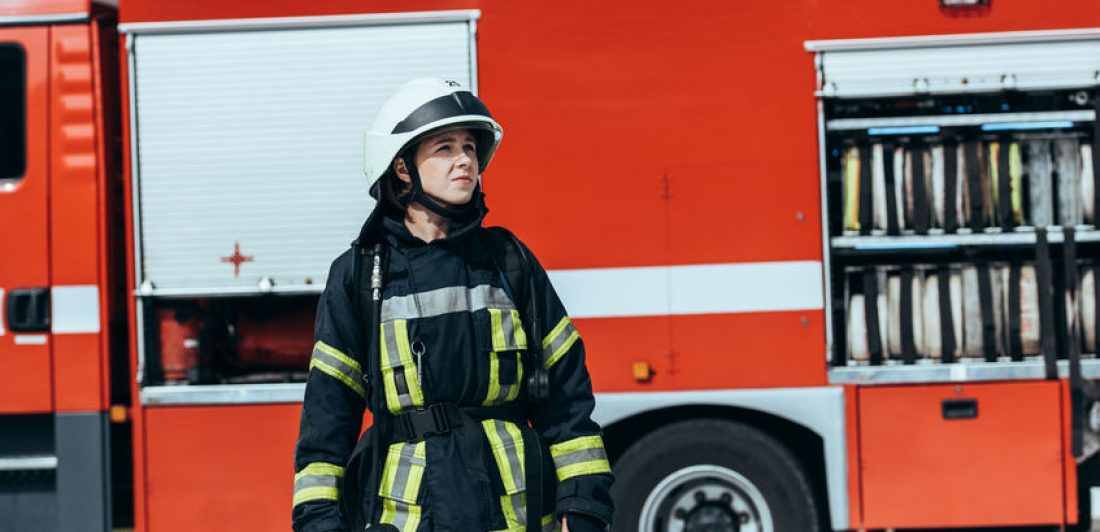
584,468
519,333
499,393
579,456
550,523
508,450
499,343
513,390
514,507
557,330
402,330
506,330
320,468
402,475
317,481
315,494
336,353
406,517
396,356
338,375
558,342
576,444
494,379
506,442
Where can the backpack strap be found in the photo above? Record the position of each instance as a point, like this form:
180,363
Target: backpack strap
511,263
517,271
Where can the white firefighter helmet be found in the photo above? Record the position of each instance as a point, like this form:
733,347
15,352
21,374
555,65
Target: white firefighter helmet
422,106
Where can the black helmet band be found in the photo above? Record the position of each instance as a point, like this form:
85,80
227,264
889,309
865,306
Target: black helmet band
458,103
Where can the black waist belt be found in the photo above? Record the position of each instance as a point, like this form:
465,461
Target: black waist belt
441,418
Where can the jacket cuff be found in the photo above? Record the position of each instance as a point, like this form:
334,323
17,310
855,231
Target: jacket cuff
318,516
589,495
584,523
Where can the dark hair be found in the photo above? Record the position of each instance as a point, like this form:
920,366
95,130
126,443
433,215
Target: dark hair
393,192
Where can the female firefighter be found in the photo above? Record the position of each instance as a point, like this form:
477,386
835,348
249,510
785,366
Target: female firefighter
454,338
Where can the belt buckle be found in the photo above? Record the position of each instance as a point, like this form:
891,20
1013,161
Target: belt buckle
439,417
405,427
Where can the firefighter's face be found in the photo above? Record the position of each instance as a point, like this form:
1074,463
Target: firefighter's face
447,163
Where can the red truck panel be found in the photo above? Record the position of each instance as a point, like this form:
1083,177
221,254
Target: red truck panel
76,246
26,8
219,467
1002,467
25,360
167,10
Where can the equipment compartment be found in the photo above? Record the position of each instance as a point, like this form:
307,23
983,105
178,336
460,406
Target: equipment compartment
955,212
968,454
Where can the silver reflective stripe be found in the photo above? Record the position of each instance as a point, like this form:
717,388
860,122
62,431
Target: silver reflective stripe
511,450
508,327
518,502
401,514
444,301
315,481
582,455
558,341
553,525
389,334
401,476
392,365
339,365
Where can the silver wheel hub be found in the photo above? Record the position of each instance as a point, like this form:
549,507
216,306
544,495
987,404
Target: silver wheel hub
705,498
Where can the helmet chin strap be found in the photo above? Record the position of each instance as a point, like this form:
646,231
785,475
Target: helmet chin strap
418,195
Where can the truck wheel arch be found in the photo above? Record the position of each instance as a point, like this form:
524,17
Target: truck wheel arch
810,422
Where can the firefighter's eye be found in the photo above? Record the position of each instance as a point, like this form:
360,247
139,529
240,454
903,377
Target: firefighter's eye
470,147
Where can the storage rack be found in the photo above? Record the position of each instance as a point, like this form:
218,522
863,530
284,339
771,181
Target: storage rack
1009,119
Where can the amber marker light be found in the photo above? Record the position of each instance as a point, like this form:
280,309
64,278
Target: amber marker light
642,372
119,414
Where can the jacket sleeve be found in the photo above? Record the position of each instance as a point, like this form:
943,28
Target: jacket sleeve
565,420
332,412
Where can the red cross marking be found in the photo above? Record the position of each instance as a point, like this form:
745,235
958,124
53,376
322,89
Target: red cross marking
236,258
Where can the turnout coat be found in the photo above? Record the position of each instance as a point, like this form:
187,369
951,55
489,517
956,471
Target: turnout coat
450,333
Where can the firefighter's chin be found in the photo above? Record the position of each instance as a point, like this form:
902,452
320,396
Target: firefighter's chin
453,197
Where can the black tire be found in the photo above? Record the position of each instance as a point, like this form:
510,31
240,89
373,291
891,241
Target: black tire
757,457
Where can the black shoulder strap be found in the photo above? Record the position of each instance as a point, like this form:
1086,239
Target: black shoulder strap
362,258
510,261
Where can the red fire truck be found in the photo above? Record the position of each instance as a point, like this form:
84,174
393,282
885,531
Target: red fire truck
834,262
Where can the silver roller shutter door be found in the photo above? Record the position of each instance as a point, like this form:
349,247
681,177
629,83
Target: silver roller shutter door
923,67
255,137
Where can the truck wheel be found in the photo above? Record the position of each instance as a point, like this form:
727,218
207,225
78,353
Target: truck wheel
711,475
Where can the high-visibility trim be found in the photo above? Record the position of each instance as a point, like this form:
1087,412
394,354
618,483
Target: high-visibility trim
558,341
399,373
400,486
337,365
506,442
444,301
406,517
503,392
550,523
494,379
507,330
579,456
511,391
317,481
514,507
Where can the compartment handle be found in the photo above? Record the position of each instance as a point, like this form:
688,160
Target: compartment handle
960,408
